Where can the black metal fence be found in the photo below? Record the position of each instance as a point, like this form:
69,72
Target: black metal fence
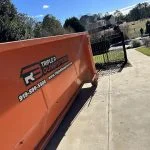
110,50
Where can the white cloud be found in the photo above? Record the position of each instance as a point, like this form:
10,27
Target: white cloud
45,6
39,16
126,10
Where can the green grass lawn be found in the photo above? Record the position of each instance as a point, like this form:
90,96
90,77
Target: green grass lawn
111,56
144,50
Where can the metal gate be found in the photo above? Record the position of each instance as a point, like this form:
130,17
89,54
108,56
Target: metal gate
110,50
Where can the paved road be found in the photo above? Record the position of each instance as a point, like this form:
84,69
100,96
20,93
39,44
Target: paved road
115,116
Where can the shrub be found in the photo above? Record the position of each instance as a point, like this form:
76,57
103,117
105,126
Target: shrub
126,37
125,29
136,43
146,42
128,47
100,47
148,27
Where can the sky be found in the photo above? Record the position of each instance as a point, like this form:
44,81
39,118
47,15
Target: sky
63,9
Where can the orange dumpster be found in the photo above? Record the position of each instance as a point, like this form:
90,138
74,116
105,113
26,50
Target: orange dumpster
39,80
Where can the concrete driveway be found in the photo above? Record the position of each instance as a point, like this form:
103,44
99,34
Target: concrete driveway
115,116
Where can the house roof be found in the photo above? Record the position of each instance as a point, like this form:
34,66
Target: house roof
107,17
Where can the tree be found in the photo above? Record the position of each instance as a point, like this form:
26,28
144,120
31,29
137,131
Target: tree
17,26
38,30
7,9
119,16
75,24
84,20
106,14
117,29
148,27
26,26
141,11
13,25
7,15
100,16
51,26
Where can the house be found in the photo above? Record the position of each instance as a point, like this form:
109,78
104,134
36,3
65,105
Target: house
110,20
98,24
95,29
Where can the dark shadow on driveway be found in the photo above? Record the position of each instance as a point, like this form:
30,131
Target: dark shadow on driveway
111,68
84,97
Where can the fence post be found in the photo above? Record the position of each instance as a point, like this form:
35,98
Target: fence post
124,48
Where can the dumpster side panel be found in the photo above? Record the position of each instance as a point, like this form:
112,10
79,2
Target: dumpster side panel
38,80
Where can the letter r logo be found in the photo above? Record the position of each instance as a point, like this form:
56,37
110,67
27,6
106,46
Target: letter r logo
31,73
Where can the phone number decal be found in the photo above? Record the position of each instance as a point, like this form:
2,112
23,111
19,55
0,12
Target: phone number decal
36,87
